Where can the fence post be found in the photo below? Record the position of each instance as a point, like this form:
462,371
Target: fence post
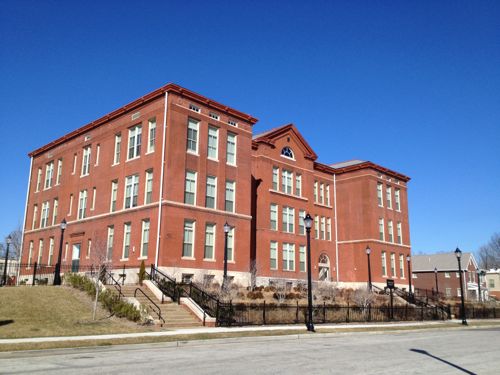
347,315
370,312
264,313
297,311
34,273
324,312
422,313
123,280
217,323
230,312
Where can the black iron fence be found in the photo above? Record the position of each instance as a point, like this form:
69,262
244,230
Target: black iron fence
476,312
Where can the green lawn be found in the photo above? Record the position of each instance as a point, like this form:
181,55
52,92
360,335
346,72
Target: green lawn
55,311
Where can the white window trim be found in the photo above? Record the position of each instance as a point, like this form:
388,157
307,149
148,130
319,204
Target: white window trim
235,149
197,123
216,158
195,187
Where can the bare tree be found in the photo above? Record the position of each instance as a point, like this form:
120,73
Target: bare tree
280,290
253,273
326,290
100,260
489,254
363,298
16,237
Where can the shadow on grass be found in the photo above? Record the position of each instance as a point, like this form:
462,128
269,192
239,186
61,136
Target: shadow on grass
424,352
6,322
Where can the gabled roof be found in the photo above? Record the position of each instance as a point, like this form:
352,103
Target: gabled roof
353,165
269,137
443,262
171,87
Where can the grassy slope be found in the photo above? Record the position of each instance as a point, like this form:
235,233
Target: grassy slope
54,311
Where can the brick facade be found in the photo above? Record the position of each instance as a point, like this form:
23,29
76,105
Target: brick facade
166,201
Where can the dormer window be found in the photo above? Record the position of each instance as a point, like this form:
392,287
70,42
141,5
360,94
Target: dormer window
287,152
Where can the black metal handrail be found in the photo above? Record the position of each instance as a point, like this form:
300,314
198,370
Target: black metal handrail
150,300
116,284
164,283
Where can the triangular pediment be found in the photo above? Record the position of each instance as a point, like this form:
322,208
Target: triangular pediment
273,136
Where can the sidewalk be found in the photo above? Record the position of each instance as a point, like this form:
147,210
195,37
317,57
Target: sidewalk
215,330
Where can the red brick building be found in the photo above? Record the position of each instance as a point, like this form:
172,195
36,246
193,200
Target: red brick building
157,179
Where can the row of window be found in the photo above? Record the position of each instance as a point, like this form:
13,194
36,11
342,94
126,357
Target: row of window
322,225
188,241
288,256
212,142
393,265
390,231
213,115
134,151
190,189
388,197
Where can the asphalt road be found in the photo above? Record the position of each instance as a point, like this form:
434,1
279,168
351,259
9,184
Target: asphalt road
458,351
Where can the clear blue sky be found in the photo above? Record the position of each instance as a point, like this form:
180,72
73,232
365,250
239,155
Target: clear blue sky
411,85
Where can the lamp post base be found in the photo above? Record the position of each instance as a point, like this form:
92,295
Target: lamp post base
310,327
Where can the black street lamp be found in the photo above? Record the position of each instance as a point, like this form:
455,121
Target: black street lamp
436,279
408,261
9,240
57,272
458,254
308,220
227,228
368,251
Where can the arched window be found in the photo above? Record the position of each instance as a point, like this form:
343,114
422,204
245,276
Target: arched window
324,267
287,151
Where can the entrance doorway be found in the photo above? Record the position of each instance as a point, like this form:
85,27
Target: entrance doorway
324,268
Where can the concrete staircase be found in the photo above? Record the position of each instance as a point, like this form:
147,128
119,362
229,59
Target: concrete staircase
175,315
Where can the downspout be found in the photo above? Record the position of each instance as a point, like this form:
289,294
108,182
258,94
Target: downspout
24,221
336,227
162,173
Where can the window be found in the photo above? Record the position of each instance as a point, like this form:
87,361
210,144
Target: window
397,199
379,195
194,108
329,229
54,211
322,228
44,218
399,232
126,240
316,227
59,171
109,245
86,161
35,214
134,142
49,173
114,193
192,136
213,140
82,204
152,135
213,115
70,204
288,257
287,152
51,251
401,266
211,192
384,264
273,255
288,219
457,275
232,122
274,217
230,245
94,193
75,157
190,188
315,191
230,193
97,153
276,172
40,252
188,241
39,179
286,181
448,292
118,144
459,292
447,275
148,189
302,227
393,265
66,247
30,254
327,195
388,196
390,229
145,238
298,185
89,246
491,283
209,241
381,235
131,191
321,193
231,149
302,258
